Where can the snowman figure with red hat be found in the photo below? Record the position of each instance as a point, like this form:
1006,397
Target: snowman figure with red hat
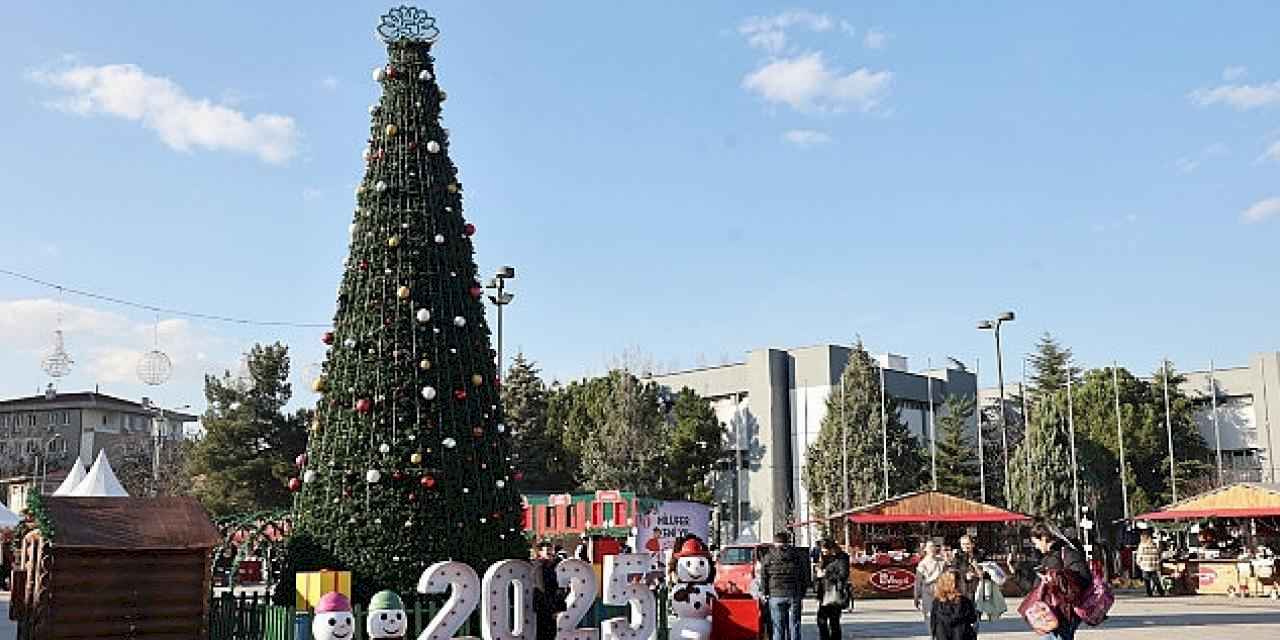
333,619
692,596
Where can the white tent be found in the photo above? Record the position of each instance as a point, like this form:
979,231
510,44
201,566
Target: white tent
8,519
72,480
100,481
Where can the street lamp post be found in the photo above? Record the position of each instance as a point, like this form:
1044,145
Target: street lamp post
500,299
994,327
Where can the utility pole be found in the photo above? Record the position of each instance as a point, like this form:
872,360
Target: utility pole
1124,481
1168,427
977,414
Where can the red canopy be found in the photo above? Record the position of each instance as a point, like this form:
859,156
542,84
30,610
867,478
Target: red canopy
1199,514
1242,500
931,506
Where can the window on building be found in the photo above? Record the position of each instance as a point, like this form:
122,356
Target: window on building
549,517
571,516
104,419
31,446
66,417
31,419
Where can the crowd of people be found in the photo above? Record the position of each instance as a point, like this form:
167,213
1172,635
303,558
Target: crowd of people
955,589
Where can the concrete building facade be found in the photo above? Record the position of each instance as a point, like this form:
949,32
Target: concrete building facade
772,406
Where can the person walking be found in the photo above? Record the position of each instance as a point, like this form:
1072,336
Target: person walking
952,615
833,589
784,579
967,562
1148,558
928,570
547,600
1062,561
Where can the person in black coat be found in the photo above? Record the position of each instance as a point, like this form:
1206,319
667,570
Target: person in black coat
953,616
833,589
1062,556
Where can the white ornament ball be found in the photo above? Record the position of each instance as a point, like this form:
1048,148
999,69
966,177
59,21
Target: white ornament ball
502,428
449,443
439,238
309,476
380,186
365,154
372,476
374,109
352,228
424,315
424,75
429,393
459,321
501,484
433,147
379,74
349,343
384,448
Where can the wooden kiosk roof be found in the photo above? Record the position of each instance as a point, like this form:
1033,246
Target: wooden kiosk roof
1242,500
927,507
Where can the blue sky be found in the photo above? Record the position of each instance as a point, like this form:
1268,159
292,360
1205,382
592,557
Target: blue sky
687,181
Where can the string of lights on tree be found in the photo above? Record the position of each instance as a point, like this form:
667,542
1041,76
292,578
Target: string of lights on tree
408,461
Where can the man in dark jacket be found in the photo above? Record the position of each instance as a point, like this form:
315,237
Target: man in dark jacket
784,579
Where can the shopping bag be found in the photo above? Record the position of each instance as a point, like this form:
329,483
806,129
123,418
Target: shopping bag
1037,612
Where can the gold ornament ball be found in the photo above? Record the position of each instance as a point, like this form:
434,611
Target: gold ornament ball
453,187
416,458
315,424
477,379
318,385
391,130
393,241
425,364
403,292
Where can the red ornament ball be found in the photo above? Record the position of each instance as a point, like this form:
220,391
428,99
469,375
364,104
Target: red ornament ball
413,497
396,475
477,432
327,338
391,71
460,394
469,229
295,485
476,292
413,144
301,460
363,405
364,265
428,481
519,475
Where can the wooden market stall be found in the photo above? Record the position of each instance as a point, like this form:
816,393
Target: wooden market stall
105,567
1225,540
885,537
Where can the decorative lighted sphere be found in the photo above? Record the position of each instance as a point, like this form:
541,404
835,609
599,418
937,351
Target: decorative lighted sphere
449,443
309,476
477,379
379,74
155,367
423,315
500,484
439,238
393,241
429,393
384,448
403,292
424,364
366,154
295,484
318,385
380,186
452,188
459,321
372,476
390,130
424,75
433,147
416,458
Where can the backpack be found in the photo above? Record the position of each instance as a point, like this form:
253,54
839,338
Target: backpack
1097,601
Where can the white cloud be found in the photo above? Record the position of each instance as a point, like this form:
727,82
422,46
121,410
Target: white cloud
1262,210
1234,73
875,39
1272,152
329,82
160,104
806,137
770,32
806,83
312,193
1186,165
1239,96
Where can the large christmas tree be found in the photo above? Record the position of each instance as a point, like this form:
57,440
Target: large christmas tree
408,461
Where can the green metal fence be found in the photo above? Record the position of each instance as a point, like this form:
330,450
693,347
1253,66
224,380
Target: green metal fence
253,617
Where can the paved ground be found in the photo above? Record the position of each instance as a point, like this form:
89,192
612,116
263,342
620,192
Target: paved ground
1208,618
1133,618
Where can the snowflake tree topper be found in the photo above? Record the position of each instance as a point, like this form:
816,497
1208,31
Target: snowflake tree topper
405,23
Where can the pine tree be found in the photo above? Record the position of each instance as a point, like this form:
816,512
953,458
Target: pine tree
1040,473
957,449
624,446
858,421
1050,367
694,445
538,448
408,460
246,457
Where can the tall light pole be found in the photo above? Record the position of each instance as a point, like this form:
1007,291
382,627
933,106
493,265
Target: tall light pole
994,327
500,298
1124,480
977,414
1168,428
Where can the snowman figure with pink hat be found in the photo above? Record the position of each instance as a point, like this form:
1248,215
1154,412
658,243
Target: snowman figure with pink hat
692,596
333,619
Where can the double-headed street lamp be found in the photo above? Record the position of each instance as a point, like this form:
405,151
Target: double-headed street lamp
994,326
500,298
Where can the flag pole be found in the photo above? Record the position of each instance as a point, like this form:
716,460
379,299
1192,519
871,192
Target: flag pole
1124,482
1168,427
884,432
977,414
933,432
1071,429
